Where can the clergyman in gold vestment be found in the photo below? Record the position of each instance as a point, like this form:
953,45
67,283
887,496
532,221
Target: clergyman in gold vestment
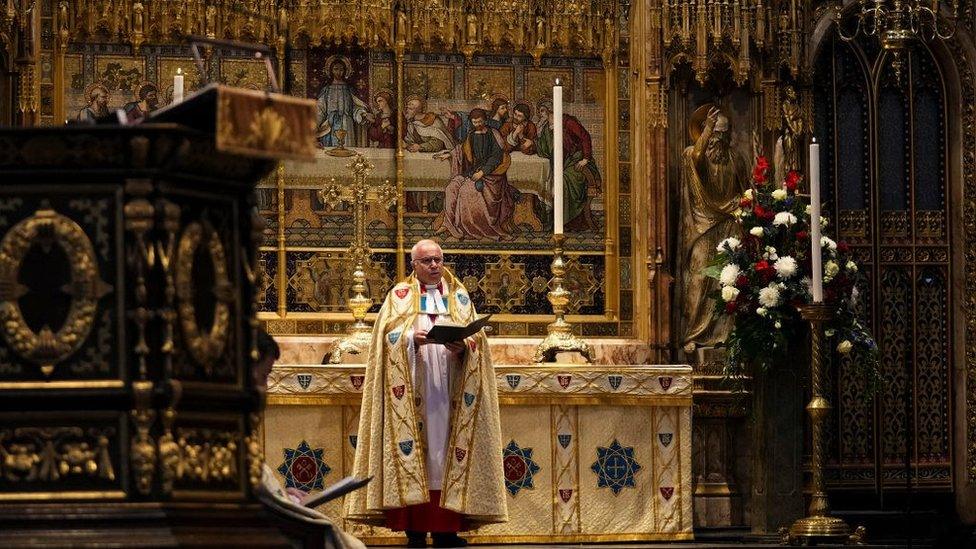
714,176
429,430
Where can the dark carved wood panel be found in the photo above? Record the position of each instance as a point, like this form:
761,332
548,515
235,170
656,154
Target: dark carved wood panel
883,128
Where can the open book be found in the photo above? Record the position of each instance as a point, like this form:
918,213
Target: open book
336,490
448,332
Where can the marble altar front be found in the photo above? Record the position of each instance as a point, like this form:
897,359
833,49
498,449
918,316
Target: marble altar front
591,453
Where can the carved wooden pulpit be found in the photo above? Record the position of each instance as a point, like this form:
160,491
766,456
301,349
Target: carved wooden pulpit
128,267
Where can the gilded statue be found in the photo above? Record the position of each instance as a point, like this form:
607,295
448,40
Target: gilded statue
788,145
713,178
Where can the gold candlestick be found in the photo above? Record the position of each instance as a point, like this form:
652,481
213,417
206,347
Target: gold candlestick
359,196
818,525
561,338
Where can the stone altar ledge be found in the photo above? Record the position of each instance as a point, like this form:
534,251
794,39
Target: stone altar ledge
504,350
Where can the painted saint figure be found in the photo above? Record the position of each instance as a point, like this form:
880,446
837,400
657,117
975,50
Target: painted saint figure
339,109
382,121
148,100
581,178
478,200
97,97
520,132
425,131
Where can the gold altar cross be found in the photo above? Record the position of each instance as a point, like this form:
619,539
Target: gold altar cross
359,195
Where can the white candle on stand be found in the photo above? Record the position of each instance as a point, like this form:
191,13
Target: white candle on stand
816,260
557,157
178,86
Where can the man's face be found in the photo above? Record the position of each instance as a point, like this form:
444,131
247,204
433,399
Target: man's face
152,99
478,124
545,115
502,111
100,99
412,108
381,103
338,71
720,141
429,264
518,117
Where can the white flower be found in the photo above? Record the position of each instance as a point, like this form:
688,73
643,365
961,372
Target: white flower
784,218
831,268
851,266
770,253
729,273
761,311
778,325
732,242
785,266
826,242
729,293
807,283
808,210
823,222
747,194
844,347
756,231
769,296
779,194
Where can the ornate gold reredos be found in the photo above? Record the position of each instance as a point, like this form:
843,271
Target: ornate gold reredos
48,347
205,347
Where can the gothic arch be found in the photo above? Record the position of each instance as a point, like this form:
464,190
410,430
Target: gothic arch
956,61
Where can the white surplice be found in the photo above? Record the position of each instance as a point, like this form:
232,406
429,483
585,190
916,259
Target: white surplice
431,366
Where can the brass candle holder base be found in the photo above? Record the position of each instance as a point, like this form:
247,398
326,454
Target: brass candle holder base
561,338
820,529
360,334
819,525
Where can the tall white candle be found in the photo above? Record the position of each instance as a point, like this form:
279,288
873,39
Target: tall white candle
816,260
557,157
178,86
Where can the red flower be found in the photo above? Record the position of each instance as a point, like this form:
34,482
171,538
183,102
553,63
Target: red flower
792,180
759,175
802,235
741,281
765,270
761,162
730,307
762,213
745,203
843,248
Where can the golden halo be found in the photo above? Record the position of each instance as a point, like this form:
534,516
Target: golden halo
90,89
340,58
697,121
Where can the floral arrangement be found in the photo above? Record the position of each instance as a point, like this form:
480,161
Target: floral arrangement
765,276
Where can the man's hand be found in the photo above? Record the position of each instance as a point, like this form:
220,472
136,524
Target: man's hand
370,117
456,348
582,163
477,175
420,338
712,117
413,147
443,155
296,493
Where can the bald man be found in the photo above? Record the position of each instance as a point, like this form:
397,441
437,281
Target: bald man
428,429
